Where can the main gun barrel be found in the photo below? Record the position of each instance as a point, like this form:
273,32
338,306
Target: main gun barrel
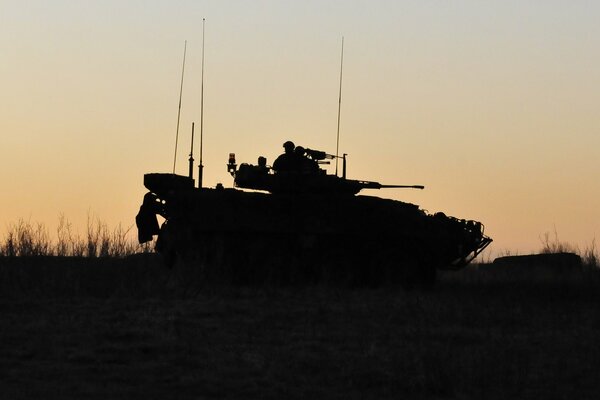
377,185
403,186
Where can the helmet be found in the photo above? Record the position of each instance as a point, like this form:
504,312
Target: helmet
289,145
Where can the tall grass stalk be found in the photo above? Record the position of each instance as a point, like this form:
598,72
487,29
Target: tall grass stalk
25,238
589,255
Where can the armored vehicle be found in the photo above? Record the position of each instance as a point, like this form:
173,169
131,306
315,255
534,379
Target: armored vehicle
293,223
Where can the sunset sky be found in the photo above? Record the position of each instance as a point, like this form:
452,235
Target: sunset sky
492,105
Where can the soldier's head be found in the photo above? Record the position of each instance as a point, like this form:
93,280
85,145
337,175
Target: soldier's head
299,150
289,146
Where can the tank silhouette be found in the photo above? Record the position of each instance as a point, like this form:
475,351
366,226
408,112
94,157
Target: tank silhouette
302,225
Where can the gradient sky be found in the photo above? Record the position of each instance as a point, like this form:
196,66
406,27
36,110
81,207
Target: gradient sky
492,105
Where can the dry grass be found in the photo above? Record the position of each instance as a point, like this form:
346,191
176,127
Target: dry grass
26,239
81,319
553,245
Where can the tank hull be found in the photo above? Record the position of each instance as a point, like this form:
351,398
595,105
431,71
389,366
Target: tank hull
251,237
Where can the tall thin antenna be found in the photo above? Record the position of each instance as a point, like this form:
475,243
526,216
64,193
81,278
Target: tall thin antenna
200,166
191,159
337,143
179,109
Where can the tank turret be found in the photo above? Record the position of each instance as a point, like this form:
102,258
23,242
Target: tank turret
302,174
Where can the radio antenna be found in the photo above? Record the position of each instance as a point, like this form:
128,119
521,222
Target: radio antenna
200,166
191,159
179,109
337,143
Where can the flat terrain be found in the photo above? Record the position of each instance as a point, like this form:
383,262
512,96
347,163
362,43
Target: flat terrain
130,329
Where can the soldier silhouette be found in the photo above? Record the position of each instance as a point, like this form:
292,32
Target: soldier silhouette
146,218
295,160
305,165
287,162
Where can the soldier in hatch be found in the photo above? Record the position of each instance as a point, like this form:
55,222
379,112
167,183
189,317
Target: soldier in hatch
294,160
305,164
287,162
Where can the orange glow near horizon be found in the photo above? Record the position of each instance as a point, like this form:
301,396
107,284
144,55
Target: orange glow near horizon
492,107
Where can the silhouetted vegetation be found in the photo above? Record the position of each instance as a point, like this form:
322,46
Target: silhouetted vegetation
589,254
83,317
26,239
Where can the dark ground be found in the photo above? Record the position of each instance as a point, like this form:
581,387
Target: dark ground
129,329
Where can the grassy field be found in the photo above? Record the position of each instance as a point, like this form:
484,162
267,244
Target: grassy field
98,328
